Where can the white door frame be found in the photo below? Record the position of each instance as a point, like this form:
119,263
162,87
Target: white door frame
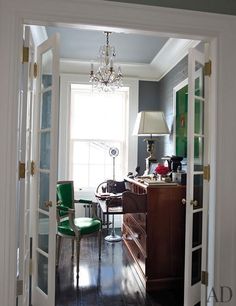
139,18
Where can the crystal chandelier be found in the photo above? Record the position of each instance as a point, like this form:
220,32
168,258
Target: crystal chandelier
108,77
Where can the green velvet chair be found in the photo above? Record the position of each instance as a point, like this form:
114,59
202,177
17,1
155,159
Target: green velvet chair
74,228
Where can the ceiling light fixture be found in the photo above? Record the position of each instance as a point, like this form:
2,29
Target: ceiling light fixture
108,77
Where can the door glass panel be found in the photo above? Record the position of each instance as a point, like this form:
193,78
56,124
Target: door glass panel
45,150
198,117
196,266
198,190
46,69
198,153
199,84
43,190
197,229
46,110
43,273
43,231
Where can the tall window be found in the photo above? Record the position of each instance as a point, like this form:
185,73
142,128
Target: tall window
98,121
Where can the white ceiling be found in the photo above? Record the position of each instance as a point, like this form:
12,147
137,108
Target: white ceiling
146,57
84,45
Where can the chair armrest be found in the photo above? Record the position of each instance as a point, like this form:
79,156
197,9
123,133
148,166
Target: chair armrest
72,222
61,208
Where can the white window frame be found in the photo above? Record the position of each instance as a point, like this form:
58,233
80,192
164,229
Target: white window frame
64,116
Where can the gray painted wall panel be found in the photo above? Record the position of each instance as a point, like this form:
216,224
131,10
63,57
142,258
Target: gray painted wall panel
159,96
213,6
148,100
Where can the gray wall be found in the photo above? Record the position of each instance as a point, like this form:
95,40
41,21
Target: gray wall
213,6
148,100
159,96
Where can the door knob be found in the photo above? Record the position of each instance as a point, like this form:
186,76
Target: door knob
48,204
184,201
194,203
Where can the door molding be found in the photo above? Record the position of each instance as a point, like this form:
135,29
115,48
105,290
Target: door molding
137,18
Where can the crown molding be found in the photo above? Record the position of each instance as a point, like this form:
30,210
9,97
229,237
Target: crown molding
172,52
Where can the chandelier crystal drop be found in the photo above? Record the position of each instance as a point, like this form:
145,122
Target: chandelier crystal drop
108,77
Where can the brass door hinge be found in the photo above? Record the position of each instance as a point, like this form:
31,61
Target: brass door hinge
35,70
32,168
25,55
204,278
206,172
21,170
207,68
19,287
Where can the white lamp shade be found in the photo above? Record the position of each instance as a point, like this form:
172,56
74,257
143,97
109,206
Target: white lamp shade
150,123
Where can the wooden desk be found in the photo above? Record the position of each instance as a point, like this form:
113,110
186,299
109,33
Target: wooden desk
155,239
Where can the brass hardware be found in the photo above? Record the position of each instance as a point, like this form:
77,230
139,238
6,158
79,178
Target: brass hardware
204,278
19,287
206,172
48,204
21,170
207,68
194,203
25,55
184,201
32,168
35,70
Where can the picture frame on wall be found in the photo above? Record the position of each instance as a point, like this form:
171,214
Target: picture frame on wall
181,122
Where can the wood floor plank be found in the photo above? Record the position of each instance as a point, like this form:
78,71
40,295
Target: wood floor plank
110,282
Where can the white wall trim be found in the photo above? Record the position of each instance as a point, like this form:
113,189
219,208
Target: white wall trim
39,34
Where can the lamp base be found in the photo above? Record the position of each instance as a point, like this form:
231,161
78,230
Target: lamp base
149,161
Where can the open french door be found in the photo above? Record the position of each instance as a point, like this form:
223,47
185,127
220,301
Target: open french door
44,186
197,183
24,145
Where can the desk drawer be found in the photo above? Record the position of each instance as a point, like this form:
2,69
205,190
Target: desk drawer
137,232
133,247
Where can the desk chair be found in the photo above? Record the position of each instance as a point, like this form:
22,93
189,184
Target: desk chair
70,227
111,190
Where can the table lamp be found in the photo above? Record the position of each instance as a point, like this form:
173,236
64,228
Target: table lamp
150,123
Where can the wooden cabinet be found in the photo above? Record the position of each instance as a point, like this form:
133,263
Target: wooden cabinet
155,238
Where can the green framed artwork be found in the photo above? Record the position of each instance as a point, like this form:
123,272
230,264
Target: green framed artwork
181,123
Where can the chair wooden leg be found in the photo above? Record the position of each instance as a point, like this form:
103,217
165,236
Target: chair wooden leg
58,249
77,256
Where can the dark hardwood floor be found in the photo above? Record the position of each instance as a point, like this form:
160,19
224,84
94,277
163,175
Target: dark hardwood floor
110,282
